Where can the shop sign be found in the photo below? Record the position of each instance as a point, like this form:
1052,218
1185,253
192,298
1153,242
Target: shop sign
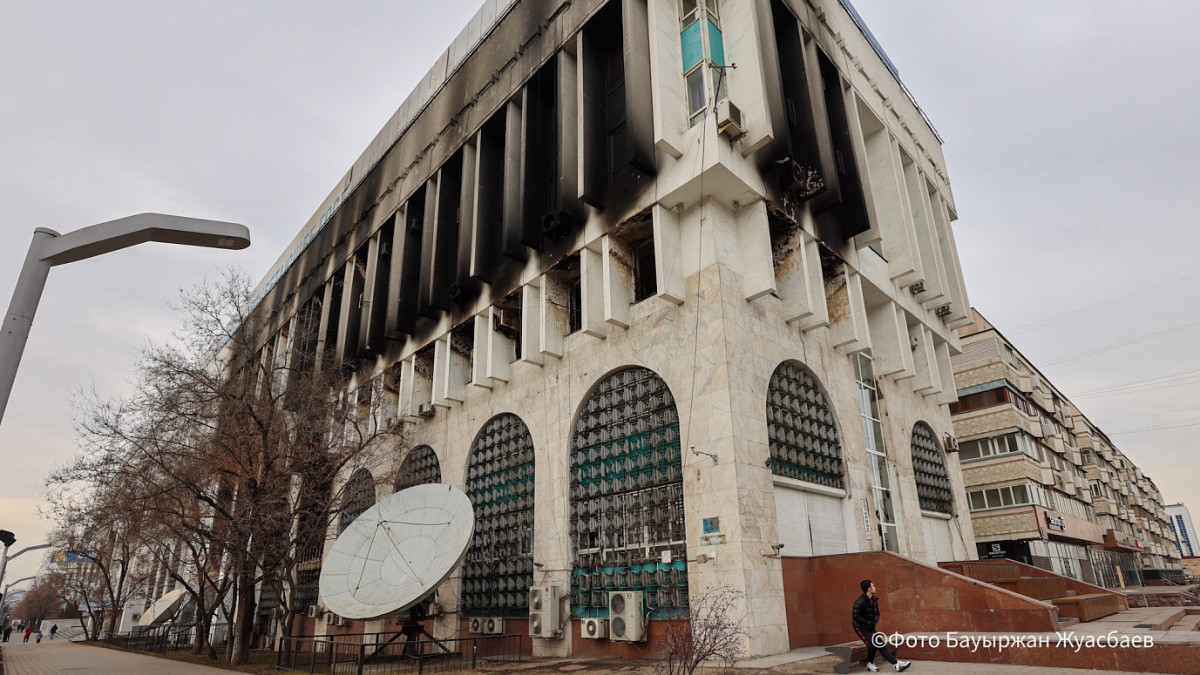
1056,523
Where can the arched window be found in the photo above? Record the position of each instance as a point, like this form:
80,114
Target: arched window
357,496
420,466
929,467
627,497
498,569
801,429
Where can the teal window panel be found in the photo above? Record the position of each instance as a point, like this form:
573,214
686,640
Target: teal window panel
716,44
693,46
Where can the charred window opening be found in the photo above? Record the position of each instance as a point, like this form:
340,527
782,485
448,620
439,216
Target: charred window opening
507,319
637,234
613,143
540,137
462,341
820,164
379,273
355,296
645,283
332,321
565,292
407,257
849,213
489,197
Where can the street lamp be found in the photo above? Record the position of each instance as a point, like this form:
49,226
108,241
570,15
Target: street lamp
8,539
49,248
4,598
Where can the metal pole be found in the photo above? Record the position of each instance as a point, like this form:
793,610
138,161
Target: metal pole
21,309
3,564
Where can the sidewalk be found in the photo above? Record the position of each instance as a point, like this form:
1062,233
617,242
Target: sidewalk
815,660
55,657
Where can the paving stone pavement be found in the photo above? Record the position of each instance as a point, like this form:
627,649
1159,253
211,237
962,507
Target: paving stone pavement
60,657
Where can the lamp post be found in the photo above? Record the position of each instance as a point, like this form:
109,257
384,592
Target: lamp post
8,540
4,598
49,248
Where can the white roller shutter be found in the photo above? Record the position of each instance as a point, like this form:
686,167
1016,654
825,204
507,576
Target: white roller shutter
937,539
827,524
791,512
809,524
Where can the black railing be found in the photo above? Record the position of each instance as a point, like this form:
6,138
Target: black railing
388,654
161,639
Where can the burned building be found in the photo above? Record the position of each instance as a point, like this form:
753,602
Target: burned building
669,288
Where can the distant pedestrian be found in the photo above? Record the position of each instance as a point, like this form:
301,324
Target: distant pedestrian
39,636
28,632
864,617
53,631
7,632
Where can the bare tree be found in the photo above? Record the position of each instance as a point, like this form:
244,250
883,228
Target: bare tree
711,634
101,529
231,436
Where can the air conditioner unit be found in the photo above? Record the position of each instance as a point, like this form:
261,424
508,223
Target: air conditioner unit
729,120
314,611
951,443
476,625
330,618
942,311
545,620
493,625
626,619
505,320
594,629
339,620
426,410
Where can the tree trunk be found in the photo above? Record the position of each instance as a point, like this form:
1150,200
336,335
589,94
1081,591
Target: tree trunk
243,613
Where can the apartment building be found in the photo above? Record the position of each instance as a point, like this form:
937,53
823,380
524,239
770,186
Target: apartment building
1045,485
642,305
1185,532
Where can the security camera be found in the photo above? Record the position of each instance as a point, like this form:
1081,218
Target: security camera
777,547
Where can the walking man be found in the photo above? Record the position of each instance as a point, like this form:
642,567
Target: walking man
53,631
865,616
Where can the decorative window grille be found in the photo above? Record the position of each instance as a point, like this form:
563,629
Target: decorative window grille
419,467
801,429
627,518
929,467
498,569
357,496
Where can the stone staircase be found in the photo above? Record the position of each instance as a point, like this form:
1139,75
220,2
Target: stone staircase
1074,599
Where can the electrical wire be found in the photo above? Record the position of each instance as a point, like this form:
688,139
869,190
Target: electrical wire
1123,343
1181,281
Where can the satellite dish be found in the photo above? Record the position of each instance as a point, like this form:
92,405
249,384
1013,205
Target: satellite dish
397,552
163,608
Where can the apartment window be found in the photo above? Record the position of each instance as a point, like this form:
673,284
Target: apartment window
880,472
1008,496
703,48
1000,445
980,400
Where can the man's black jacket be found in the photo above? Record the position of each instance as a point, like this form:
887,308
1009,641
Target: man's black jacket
866,613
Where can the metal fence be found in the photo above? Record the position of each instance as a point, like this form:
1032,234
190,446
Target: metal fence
387,654
161,639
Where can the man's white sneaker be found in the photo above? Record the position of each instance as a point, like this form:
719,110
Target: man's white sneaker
872,667
902,665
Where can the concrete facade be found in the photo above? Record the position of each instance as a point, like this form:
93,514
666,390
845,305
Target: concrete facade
1047,486
481,259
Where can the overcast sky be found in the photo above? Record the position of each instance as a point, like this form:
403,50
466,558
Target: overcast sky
1068,130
